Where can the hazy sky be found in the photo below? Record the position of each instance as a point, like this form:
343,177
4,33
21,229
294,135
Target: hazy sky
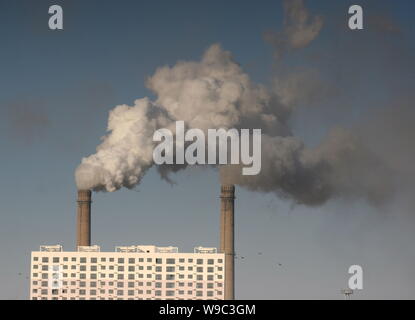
58,87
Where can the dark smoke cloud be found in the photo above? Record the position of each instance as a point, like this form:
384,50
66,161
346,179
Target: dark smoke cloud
28,120
215,92
300,28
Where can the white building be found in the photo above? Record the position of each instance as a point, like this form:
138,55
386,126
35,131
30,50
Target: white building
129,273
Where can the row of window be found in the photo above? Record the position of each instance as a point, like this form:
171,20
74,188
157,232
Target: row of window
94,276
129,268
157,293
93,284
130,260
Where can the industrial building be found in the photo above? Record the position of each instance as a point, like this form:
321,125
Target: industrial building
135,272
129,273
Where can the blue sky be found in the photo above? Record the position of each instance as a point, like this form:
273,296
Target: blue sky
57,90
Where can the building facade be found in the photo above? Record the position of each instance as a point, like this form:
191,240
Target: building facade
128,273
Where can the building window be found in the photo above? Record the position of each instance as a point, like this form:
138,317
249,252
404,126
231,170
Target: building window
93,292
120,277
149,260
131,269
130,284
45,268
82,276
210,261
148,291
44,283
44,291
210,293
189,292
130,292
111,259
93,260
73,259
35,259
170,261
120,292
190,276
210,277
181,268
170,285
158,276
190,268
159,260
169,276
219,276
199,277
219,285
34,290
82,268
219,268
73,267
120,260
141,260
82,292
169,293
44,275
158,284
103,259
82,284
199,285
210,269
93,268
131,276
120,268
159,269
131,260
158,293
199,261
149,276
45,259
55,260
83,260
169,269
93,284
181,284
199,269
120,285
199,293
190,260
210,285
181,260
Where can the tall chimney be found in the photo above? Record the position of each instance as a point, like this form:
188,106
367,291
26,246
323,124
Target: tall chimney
83,223
227,247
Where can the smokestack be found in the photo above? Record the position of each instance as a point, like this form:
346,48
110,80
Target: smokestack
83,223
227,247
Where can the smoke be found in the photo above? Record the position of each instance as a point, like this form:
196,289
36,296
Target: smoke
215,92
28,119
300,28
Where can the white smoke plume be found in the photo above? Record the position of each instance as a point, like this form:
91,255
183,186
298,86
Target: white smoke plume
212,93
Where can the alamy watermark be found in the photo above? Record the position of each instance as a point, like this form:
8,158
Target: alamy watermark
216,145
